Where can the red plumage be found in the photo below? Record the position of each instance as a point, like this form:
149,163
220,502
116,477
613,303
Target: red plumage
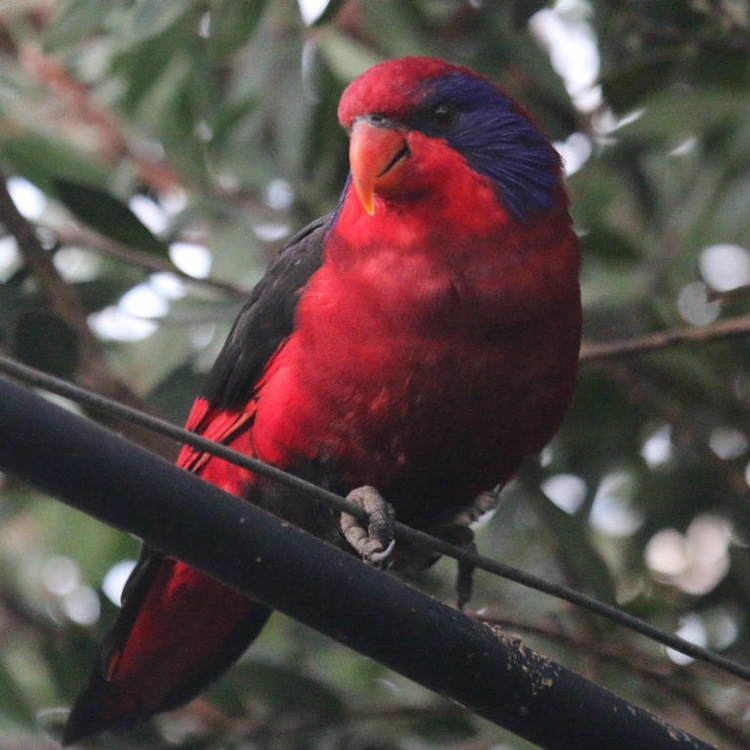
425,350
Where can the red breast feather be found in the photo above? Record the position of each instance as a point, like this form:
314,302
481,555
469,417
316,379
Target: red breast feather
437,346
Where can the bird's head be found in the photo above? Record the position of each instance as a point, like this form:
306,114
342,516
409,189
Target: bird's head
419,122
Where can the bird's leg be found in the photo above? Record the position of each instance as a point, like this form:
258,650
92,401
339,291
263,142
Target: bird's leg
465,578
458,532
375,542
461,536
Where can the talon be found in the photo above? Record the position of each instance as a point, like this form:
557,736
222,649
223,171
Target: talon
378,557
465,579
374,543
461,536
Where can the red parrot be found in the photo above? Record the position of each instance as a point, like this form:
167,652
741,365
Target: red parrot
422,340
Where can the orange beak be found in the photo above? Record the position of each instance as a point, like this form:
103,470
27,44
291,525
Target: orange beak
376,157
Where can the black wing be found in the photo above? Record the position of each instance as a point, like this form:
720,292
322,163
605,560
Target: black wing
266,319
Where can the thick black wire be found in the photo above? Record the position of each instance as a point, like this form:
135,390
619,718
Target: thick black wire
403,532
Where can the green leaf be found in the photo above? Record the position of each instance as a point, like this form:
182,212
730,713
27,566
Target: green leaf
284,691
625,89
726,68
407,31
610,245
106,290
232,24
153,17
159,107
43,340
346,57
74,21
174,394
9,300
43,160
570,533
228,117
446,728
523,10
108,216
329,12
68,662
11,702
682,111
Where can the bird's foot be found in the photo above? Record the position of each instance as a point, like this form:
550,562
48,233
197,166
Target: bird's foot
375,542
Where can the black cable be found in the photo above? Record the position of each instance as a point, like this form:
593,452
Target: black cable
403,532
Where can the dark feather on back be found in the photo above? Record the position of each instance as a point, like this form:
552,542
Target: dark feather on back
266,319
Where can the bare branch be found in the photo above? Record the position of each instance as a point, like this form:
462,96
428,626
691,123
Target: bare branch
118,251
721,330
730,295
408,534
664,677
92,370
728,35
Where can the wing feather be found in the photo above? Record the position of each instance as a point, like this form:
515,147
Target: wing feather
225,409
266,319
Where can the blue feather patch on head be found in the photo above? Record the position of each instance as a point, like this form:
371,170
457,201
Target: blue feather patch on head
496,139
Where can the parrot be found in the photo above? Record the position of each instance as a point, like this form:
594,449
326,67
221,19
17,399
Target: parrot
408,350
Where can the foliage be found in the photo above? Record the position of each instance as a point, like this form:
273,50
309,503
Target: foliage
148,136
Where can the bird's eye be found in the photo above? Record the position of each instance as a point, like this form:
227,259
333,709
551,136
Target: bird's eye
378,120
444,114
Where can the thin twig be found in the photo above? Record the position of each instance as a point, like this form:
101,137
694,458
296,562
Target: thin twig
734,36
82,109
92,370
60,296
642,389
721,330
730,295
118,251
404,533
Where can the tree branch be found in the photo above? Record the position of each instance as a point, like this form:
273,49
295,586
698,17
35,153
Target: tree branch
721,330
92,370
686,435
730,295
731,36
407,534
665,678
112,249
267,559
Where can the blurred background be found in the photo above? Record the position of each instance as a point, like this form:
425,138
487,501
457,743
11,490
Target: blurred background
163,151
